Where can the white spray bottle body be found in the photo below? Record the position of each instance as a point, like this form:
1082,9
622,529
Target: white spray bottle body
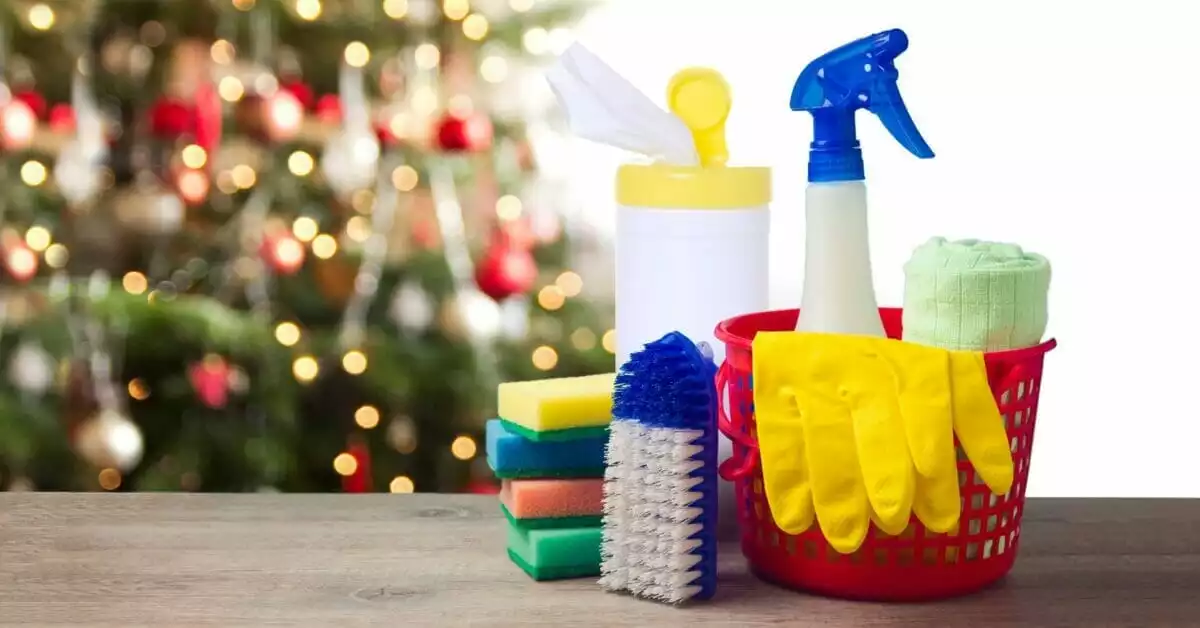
839,293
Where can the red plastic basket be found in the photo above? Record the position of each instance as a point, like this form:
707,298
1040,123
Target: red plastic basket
918,564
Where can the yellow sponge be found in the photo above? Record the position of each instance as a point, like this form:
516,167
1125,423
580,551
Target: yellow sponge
565,403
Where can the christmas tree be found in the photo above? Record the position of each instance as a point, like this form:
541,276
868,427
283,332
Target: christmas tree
279,244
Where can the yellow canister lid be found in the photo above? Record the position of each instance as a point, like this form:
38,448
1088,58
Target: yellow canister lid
701,98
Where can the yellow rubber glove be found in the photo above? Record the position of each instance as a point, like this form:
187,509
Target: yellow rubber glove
844,421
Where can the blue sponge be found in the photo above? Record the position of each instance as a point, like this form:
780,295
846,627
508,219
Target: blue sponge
511,455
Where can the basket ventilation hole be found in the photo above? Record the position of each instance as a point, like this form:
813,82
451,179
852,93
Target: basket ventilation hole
973,527
972,551
904,557
991,523
929,556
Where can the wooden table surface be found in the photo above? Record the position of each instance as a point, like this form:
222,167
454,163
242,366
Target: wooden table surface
439,560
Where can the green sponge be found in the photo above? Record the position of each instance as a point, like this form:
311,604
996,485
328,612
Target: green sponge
555,554
547,523
570,433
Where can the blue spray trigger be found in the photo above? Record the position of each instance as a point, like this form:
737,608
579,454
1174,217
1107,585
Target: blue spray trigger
858,75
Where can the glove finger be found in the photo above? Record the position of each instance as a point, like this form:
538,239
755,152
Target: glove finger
839,497
922,376
937,504
883,455
784,465
978,423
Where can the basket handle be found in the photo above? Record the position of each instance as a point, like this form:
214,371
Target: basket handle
741,463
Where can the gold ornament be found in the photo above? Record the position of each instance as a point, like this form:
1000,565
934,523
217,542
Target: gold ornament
110,440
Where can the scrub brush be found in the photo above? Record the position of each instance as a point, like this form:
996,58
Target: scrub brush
660,484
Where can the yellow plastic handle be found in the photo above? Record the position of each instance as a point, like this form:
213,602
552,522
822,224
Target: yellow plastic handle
702,99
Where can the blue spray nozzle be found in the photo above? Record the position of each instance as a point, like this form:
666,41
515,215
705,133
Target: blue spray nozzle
859,75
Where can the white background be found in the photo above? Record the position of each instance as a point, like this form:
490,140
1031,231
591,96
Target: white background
1071,128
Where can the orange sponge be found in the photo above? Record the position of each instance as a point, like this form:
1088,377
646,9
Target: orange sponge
539,499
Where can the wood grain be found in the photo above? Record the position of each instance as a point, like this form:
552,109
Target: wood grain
438,560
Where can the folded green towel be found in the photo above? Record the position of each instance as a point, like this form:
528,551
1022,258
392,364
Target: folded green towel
971,295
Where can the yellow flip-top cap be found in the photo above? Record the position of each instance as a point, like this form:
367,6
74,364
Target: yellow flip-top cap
700,97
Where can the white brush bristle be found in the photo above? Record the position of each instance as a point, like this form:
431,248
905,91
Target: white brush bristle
649,518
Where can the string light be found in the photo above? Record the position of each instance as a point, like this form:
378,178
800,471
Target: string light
354,362
520,6
508,207
570,283
463,448
138,390
222,52
358,229
287,333
427,56
33,173
545,358
609,341
231,89
301,163
305,368
38,238
308,9
193,186
134,282
22,263
289,254
305,229
243,5
401,484
324,246
56,255
551,298
41,17
405,178
395,9
357,54
475,26
367,417
494,69
194,156
109,479
456,9
362,201
400,124
424,100
345,464
460,106
584,339
536,40
244,176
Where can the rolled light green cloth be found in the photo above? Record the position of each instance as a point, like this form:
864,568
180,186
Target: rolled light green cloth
971,295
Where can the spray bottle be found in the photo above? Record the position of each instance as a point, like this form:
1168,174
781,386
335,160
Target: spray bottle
839,296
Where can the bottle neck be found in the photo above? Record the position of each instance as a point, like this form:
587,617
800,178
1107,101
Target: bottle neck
834,154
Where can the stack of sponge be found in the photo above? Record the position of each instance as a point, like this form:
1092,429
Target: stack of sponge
547,448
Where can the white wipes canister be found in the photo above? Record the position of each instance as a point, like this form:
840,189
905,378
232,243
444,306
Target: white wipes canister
692,240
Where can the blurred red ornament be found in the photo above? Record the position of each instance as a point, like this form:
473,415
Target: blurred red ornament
62,118
171,118
359,479
283,253
207,117
210,379
482,487
329,108
35,101
19,260
470,132
17,125
506,269
302,92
